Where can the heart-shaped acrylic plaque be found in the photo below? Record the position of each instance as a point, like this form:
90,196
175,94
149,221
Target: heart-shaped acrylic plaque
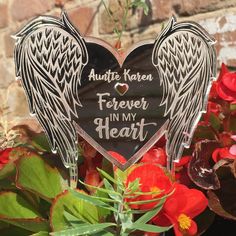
120,99
120,103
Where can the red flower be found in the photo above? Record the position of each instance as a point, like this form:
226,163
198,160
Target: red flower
226,152
226,139
92,159
4,157
118,157
183,162
212,108
161,142
152,178
155,155
92,178
181,173
213,92
180,209
88,151
226,85
158,156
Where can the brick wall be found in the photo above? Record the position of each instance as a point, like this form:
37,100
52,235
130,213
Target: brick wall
217,16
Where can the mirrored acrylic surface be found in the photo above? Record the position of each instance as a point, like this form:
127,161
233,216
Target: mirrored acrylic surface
121,103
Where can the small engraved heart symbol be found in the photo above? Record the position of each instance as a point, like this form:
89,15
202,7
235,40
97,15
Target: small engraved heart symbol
121,88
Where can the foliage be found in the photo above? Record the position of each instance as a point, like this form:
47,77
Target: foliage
35,198
121,23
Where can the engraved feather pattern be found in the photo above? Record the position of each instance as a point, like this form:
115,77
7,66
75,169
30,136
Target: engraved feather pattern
50,56
184,57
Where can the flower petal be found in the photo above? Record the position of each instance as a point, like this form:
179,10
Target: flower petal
184,200
193,228
232,150
155,155
229,81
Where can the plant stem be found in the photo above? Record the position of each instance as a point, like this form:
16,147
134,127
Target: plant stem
124,19
107,10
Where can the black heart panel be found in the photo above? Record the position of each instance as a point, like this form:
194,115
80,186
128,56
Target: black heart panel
128,122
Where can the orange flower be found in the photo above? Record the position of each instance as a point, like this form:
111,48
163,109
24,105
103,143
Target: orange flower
152,178
180,209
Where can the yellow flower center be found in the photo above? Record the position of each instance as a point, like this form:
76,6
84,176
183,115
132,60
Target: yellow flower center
184,222
155,191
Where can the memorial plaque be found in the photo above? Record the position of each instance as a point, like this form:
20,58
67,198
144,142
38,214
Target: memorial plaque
121,98
120,103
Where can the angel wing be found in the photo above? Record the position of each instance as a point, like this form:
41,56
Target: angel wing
50,56
185,59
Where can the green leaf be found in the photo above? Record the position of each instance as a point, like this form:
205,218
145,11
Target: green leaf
143,202
77,223
112,193
215,121
41,233
232,107
17,211
7,170
204,132
74,221
92,200
103,233
121,176
140,4
14,231
150,228
80,209
150,214
150,201
126,220
117,32
35,175
84,230
135,194
134,186
7,184
3,225
232,123
107,176
103,197
101,189
107,167
41,143
136,211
